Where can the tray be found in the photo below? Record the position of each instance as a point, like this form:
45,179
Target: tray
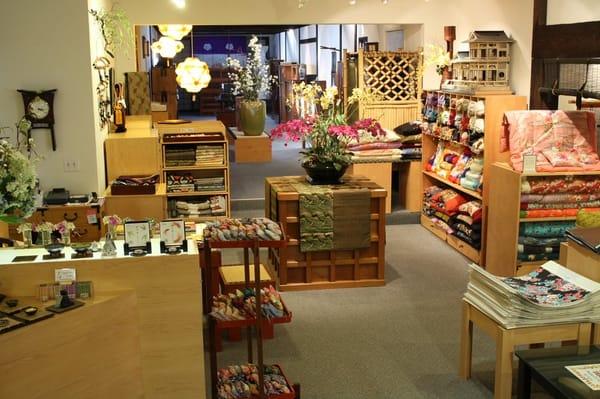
291,395
39,316
4,308
226,324
120,189
24,258
76,304
12,324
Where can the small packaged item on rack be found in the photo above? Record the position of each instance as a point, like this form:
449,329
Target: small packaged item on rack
241,381
180,183
243,229
241,305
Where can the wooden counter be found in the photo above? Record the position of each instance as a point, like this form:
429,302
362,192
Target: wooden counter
325,269
580,259
169,308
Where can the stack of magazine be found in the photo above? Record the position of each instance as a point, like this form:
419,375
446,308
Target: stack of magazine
550,294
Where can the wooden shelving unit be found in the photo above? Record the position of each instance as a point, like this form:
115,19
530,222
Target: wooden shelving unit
495,107
504,220
189,136
250,324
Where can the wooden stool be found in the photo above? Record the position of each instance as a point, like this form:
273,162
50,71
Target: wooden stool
507,339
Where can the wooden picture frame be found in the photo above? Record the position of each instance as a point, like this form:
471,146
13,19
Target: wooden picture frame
145,47
372,46
172,232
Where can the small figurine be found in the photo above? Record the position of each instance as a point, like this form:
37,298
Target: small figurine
109,248
65,301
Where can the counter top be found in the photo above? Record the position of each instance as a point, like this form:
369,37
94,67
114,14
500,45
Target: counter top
8,254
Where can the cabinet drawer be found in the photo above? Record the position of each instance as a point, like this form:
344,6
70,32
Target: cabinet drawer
464,248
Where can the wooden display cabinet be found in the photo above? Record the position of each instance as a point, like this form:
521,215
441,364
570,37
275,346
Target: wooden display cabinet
250,149
137,207
504,218
298,270
190,135
495,107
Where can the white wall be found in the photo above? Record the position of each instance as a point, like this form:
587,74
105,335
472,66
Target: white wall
46,45
413,37
572,11
513,16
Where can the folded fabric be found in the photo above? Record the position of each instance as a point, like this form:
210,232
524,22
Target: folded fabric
541,242
558,198
534,249
561,185
463,237
449,199
537,257
374,146
549,213
471,208
376,153
587,218
563,205
408,128
468,231
546,229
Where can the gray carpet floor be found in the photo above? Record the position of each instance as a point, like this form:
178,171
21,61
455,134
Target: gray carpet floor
397,341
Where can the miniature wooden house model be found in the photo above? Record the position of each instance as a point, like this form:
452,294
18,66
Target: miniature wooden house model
486,69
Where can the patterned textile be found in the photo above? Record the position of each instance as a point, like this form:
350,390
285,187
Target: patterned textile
558,198
545,229
535,249
526,257
541,242
137,86
351,218
586,218
561,140
561,185
559,205
550,213
316,217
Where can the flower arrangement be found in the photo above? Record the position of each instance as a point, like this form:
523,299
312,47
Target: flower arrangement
436,55
327,132
253,79
64,227
45,227
112,220
17,184
23,227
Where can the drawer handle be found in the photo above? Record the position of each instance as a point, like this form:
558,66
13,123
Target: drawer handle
74,218
80,232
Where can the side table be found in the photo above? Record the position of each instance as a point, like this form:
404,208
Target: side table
546,366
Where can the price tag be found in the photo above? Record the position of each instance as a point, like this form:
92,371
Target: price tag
65,276
529,162
92,218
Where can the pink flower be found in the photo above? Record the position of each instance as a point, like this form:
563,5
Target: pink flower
293,130
343,131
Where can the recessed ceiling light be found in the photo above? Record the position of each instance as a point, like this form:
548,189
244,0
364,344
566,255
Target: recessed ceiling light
179,3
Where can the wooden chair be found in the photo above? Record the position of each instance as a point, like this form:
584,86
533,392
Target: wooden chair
507,339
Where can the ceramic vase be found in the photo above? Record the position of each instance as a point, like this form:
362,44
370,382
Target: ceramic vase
324,173
253,115
109,248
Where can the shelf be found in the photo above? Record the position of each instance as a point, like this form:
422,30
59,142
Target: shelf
448,141
291,395
549,219
184,168
227,324
208,141
454,185
196,193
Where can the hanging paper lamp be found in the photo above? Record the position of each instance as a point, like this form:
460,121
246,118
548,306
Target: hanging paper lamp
167,47
176,32
193,75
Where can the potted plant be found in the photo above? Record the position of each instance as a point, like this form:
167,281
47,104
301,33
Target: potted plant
327,134
437,56
250,82
17,184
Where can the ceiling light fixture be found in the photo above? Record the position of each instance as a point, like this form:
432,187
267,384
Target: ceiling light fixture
176,32
167,47
193,75
302,3
178,3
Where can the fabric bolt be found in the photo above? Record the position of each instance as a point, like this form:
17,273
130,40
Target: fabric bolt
561,185
535,249
587,218
316,218
137,87
546,213
351,218
541,242
561,205
463,237
558,198
537,257
546,229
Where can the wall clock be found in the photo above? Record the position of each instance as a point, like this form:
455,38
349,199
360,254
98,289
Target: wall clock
39,109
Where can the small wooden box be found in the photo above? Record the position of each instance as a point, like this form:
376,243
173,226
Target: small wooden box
251,149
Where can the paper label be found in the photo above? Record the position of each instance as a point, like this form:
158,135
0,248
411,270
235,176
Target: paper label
92,218
529,162
65,276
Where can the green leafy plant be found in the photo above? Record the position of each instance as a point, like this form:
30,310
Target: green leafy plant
115,27
17,184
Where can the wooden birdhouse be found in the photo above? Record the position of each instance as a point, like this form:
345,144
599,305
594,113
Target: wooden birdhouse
485,70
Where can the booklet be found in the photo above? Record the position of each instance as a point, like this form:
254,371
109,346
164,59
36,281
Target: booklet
588,373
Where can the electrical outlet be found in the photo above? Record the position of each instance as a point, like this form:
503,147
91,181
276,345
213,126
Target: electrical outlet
71,165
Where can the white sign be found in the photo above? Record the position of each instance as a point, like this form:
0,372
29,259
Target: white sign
529,163
65,276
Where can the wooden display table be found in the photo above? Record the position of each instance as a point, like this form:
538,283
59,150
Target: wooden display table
137,207
330,268
168,311
250,149
94,350
507,339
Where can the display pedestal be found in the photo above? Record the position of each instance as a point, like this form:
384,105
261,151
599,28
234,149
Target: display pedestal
379,173
250,149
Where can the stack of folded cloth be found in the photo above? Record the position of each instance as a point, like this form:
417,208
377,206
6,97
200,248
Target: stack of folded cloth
214,206
210,183
541,240
209,155
404,142
180,156
450,211
240,305
180,183
457,164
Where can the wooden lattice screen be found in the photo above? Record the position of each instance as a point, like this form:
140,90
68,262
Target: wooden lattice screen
395,75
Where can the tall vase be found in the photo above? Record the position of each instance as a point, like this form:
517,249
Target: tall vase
46,238
27,238
253,115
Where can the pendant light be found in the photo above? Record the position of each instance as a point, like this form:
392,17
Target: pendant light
167,47
193,75
176,32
